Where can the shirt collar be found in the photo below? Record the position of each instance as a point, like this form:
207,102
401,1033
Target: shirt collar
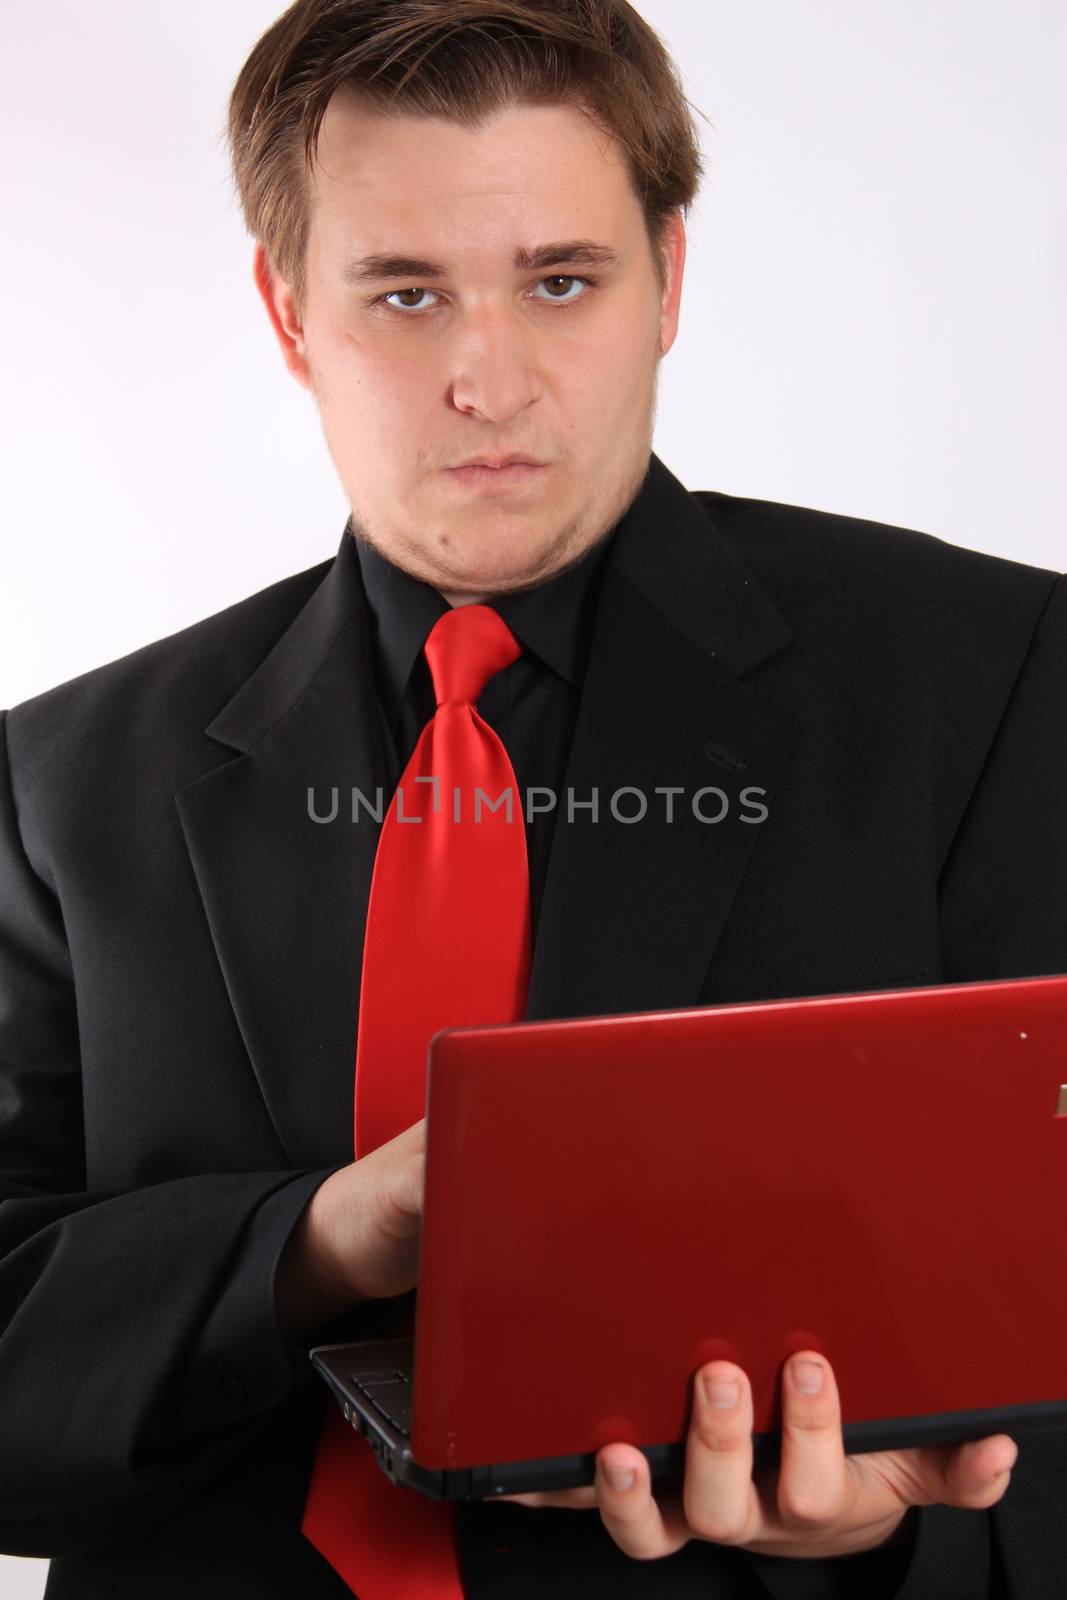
552,619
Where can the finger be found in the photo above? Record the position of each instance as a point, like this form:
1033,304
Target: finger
972,1476
635,1521
976,1475
813,1481
718,1496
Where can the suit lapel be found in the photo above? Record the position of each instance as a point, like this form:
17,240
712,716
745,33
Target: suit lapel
284,895
631,911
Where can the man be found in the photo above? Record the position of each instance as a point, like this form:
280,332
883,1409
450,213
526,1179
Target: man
181,939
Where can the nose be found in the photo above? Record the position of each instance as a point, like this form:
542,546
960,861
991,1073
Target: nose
495,364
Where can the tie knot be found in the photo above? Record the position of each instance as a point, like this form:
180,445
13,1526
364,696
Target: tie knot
464,649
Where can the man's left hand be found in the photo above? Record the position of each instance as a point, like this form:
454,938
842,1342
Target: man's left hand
820,1502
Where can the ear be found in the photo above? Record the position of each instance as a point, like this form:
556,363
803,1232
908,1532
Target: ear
278,299
673,248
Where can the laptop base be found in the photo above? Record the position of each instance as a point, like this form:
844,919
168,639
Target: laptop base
372,1382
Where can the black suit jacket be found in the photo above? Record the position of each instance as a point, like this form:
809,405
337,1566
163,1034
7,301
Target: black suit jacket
180,949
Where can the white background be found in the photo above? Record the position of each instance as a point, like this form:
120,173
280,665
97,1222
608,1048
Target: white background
873,314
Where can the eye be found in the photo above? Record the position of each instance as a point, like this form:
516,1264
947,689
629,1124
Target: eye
562,277
410,309
384,299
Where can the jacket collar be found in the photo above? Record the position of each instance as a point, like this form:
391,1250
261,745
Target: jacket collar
551,619
632,911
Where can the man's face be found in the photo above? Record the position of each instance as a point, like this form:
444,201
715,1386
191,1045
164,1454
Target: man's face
414,373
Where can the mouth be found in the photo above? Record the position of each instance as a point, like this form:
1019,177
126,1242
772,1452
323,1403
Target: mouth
496,478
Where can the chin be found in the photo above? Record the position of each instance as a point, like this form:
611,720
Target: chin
484,568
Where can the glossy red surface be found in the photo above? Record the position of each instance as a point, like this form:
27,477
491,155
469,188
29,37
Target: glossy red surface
882,1177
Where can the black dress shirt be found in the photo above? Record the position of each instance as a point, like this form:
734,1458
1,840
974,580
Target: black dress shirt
532,705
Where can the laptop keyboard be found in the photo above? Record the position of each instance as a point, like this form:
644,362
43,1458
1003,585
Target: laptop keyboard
392,1394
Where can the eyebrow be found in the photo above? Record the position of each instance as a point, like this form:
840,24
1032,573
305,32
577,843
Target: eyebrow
569,252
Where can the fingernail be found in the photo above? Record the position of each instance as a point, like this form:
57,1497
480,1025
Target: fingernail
618,1478
721,1392
807,1376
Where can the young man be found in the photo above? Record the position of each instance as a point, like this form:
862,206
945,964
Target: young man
482,259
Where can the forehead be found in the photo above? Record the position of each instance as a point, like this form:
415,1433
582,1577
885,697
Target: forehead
542,172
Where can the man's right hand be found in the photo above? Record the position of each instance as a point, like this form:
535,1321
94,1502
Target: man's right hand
358,1237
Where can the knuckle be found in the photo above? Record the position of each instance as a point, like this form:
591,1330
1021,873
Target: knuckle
813,1419
717,1527
807,1507
723,1440
641,1554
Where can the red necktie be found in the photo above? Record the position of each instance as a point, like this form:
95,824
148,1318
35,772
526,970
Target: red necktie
447,945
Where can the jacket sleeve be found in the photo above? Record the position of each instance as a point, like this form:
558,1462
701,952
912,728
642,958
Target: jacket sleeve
1003,914
139,1350
1003,886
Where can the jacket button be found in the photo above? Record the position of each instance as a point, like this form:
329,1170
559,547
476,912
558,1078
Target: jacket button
233,1388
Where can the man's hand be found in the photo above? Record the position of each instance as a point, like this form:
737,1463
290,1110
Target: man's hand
358,1237
366,1218
819,1503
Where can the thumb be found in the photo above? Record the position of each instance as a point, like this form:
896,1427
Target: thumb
977,1474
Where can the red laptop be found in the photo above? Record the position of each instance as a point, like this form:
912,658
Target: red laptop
612,1201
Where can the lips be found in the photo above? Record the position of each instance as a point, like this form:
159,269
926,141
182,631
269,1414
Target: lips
496,479
494,464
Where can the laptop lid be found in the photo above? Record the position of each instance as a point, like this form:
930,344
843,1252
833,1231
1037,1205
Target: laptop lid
610,1202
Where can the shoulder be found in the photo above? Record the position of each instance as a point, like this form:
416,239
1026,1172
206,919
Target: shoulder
158,697
852,579
813,554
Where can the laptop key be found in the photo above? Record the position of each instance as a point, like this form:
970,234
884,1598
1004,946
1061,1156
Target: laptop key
393,1401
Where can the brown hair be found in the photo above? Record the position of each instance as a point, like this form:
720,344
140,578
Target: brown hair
463,60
